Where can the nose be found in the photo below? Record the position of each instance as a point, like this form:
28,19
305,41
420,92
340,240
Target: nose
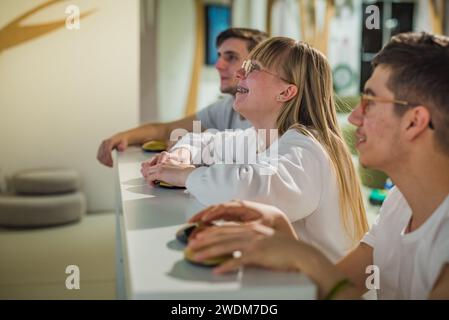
356,116
240,74
220,64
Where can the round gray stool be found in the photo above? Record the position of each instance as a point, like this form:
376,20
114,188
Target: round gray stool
45,181
43,197
43,210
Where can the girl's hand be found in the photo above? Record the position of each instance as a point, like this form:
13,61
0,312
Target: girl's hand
174,174
179,156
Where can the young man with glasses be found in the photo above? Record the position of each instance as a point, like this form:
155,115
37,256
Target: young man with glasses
233,45
403,129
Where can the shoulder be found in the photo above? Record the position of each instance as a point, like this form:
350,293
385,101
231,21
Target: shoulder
296,138
215,114
395,201
301,144
438,248
222,101
394,209
442,223
389,221
443,230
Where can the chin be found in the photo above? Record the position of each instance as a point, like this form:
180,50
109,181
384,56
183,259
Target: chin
367,162
228,89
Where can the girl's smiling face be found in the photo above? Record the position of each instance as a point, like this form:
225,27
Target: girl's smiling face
259,93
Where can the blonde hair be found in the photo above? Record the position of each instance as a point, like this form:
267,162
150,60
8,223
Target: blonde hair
312,112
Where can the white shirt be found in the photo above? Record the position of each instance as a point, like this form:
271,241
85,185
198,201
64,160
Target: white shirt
303,185
409,264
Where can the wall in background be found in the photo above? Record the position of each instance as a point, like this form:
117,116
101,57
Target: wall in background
62,93
175,44
175,47
148,60
446,30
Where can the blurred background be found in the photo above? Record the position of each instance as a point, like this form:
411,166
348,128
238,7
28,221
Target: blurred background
73,73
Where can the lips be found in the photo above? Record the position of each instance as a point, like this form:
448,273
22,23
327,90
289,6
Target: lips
241,89
360,138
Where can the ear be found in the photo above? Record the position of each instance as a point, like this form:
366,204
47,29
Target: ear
417,121
289,92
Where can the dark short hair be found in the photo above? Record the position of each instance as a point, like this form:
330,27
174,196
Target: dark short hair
252,36
419,66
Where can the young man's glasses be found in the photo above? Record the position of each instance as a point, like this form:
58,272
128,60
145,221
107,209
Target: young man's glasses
249,66
366,100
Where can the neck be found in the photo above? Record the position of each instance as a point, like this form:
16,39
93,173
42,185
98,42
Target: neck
266,124
423,179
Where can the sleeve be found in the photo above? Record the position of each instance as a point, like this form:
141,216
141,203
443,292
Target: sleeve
290,180
440,252
213,115
214,147
195,143
370,237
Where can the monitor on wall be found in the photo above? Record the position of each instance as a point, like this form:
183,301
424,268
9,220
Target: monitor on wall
218,19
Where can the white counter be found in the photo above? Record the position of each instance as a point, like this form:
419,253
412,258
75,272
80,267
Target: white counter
150,262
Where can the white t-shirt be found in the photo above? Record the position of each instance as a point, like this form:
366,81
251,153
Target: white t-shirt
409,264
303,185
221,115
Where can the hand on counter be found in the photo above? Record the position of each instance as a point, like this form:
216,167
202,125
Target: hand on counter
119,142
258,246
247,211
179,156
171,173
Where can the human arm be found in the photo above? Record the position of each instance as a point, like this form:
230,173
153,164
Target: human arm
354,265
174,174
174,167
139,135
217,147
274,251
178,156
290,179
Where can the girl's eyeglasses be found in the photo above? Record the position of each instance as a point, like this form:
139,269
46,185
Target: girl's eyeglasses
366,99
249,66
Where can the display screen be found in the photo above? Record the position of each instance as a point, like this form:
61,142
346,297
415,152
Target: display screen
218,19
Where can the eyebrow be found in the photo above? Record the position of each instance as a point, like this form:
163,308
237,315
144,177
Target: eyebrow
229,52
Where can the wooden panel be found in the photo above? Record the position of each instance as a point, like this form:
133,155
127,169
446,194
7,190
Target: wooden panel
14,34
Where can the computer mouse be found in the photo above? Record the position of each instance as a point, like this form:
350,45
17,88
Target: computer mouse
166,185
154,146
183,234
212,262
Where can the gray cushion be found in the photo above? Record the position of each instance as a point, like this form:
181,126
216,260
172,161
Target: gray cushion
45,181
34,211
